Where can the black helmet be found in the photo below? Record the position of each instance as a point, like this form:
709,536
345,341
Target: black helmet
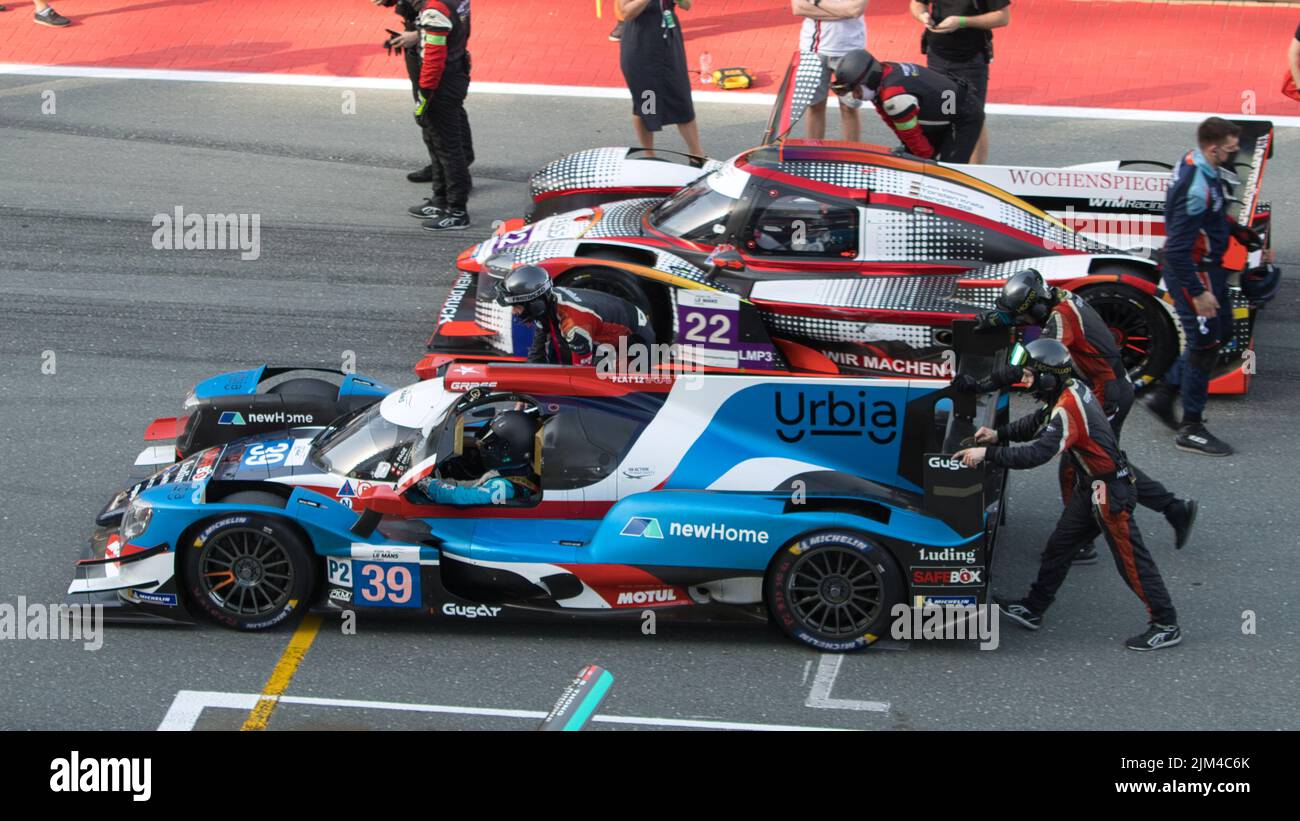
527,285
508,441
1051,363
1026,295
1260,284
857,68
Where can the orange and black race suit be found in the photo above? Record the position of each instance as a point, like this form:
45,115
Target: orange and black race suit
581,321
933,115
1101,502
1077,326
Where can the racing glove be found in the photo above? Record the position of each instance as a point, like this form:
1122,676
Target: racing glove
1003,376
993,320
422,109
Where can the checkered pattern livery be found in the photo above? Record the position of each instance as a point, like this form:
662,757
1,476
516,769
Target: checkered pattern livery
892,293
621,219
495,317
811,82
839,330
594,168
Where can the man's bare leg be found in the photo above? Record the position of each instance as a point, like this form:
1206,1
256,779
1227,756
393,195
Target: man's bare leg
691,134
980,155
850,125
815,119
644,136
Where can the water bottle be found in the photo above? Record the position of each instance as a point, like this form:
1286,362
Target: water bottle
706,68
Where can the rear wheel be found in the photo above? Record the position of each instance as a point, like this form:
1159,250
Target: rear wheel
833,590
1143,330
250,571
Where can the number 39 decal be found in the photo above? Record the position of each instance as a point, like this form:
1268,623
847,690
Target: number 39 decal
385,584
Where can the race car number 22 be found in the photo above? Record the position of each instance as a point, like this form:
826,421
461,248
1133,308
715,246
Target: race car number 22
387,584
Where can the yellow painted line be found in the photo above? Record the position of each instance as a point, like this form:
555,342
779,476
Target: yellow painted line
292,656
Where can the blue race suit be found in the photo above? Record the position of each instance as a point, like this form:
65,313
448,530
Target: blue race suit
492,489
1194,206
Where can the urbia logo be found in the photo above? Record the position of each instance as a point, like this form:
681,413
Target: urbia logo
832,415
77,774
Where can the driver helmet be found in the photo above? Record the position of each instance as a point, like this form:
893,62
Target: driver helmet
527,285
1026,296
855,69
508,441
1051,365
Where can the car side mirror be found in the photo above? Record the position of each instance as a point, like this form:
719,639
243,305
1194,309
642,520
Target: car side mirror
725,258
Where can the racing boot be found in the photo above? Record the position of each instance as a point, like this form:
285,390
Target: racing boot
452,219
1086,555
423,175
1160,400
1157,637
1020,612
428,210
1194,438
1181,515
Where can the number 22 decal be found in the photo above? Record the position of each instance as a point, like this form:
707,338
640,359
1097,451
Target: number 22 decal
698,323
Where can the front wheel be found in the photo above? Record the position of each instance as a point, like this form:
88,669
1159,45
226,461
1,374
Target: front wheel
249,571
833,590
1144,331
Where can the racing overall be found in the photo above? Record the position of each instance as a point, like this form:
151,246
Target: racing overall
409,12
580,321
1076,325
934,116
491,488
1101,501
1194,207
440,109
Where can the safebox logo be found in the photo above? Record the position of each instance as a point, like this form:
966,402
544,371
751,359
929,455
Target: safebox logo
644,527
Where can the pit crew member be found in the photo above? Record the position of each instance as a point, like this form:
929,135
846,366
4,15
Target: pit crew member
1197,229
1027,299
1070,421
935,116
571,323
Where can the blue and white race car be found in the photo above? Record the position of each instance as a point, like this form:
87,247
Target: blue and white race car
820,501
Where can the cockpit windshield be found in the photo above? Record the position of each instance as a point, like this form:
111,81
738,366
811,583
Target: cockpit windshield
697,213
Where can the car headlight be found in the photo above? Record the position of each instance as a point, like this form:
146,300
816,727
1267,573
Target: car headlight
135,520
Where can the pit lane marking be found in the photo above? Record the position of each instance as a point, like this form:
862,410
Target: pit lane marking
586,92
819,697
188,706
299,643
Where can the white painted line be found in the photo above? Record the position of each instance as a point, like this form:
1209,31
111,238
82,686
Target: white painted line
819,697
807,668
590,92
187,706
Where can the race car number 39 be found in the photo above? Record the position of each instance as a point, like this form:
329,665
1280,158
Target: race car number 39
386,584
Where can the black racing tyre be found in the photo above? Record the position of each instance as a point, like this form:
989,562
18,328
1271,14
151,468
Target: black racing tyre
1144,331
249,571
833,590
307,388
614,282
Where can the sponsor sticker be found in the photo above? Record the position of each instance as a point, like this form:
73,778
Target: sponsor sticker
339,571
267,454
948,576
298,453
164,599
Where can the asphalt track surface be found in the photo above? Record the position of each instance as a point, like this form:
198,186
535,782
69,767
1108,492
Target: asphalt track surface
342,268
